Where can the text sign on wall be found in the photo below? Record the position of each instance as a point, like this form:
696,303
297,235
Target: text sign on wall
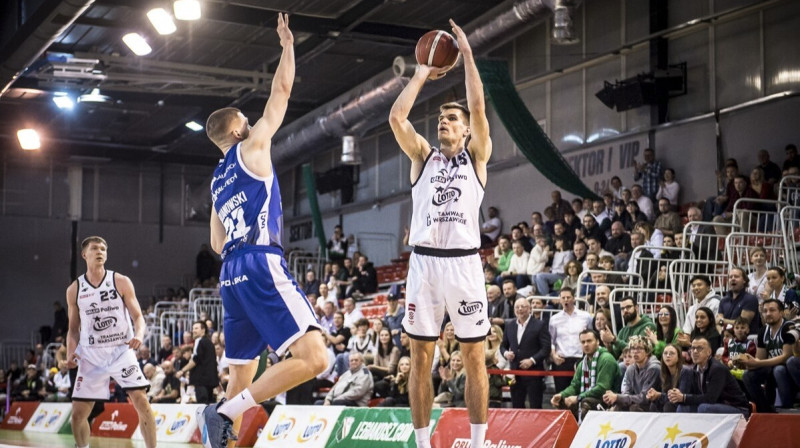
597,164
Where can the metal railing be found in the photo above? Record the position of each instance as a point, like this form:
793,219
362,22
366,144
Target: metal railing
739,244
648,300
789,190
710,244
14,351
175,323
212,307
761,215
649,268
790,230
196,293
681,273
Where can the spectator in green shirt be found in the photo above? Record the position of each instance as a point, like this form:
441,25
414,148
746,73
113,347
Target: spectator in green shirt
635,325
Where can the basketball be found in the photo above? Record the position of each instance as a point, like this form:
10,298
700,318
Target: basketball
437,48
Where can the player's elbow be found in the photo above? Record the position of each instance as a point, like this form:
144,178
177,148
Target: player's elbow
397,117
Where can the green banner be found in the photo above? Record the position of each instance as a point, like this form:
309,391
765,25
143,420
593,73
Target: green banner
376,427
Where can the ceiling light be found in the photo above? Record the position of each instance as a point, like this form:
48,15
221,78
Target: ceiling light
28,139
63,101
161,21
186,9
94,97
137,44
195,126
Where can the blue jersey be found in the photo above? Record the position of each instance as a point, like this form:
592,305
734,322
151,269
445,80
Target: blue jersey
249,206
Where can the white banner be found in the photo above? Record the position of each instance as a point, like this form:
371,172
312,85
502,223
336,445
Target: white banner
307,426
49,417
174,422
596,165
641,429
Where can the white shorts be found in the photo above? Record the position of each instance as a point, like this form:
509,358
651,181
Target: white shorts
94,372
439,283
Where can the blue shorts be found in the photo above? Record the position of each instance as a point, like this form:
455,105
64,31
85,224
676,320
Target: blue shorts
263,304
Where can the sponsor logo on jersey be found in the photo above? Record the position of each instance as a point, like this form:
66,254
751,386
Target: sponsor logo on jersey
78,383
444,195
479,323
103,309
128,371
83,296
91,340
104,323
469,308
411,308
226,184
443,177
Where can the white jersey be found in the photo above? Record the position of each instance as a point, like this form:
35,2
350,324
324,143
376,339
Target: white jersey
105,321
446,199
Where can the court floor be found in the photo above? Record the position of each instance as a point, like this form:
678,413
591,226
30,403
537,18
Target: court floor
10,438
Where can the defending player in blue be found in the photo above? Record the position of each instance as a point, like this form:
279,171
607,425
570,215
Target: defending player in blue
263,304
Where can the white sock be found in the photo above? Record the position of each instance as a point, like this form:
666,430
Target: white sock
87,446
477,434
423,436
236,406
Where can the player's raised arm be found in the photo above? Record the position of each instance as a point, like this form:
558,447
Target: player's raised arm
480,144
275,110
414,145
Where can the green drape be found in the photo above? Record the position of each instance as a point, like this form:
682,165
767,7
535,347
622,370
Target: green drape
316,216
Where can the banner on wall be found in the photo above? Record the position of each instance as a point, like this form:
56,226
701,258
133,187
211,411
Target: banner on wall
19,414
376,427
508,428
174,423
299,426
116,420
597,164
628,429
50,417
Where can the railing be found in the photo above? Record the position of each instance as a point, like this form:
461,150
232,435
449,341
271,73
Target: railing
196,293
709,245
790,229
633,279
648,300
175,323
212,307
14,351
763,218
152,339
789,190
49,354
739,244
649,268
680,275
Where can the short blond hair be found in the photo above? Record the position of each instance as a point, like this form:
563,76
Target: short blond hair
218,123
93,239
454,105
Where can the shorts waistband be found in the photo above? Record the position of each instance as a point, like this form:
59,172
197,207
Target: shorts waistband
243,248
444,253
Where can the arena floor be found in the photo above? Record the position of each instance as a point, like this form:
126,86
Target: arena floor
18,438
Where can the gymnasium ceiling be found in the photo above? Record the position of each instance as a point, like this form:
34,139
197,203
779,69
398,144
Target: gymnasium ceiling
224,59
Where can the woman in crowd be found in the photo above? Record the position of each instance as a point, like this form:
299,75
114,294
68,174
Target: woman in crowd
447,344
573,271
454,383
705,327
778,289
673,375
398,388
376,325
666,330
758,278
668,188
495,360
385,362
602,320
653,237
636,215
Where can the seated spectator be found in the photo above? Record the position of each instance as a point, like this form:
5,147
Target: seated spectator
705,328
652,237
447,344
640,377
358,343
366,281
326,320
596,374
767,370
517,266
539,258
668,221
757,280
560,206
616,187
619,246
496,306
634,266
526,345
30,387
791,161
386,357
713,390
517,235
454,383
579,252
666,331
394,315
673,376
704,296
591,229
736,346
572,273
502,255
738,302
544,280
741,190
351,313
398,385
601,215
354,387
60,384
165,351
762,188
144,357
645,203
311,285
635,325
491,228
772,172
154,375
778,289
669,189
602,320
635,215
170,390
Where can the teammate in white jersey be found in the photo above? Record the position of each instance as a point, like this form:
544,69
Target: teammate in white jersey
445,269
101,341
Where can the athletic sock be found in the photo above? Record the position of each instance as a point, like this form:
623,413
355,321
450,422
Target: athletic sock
477,434
423,436
236,406
87,446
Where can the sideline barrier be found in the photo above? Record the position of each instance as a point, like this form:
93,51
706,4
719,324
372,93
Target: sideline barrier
117,420
253,422
376,428
19,414
52,418
508,428
772,431
628,429
174,423
293,426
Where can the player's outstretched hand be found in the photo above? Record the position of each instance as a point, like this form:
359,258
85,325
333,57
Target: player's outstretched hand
461,38
283,30
135,343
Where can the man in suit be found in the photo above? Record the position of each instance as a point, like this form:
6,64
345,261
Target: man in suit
526,345
704,247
